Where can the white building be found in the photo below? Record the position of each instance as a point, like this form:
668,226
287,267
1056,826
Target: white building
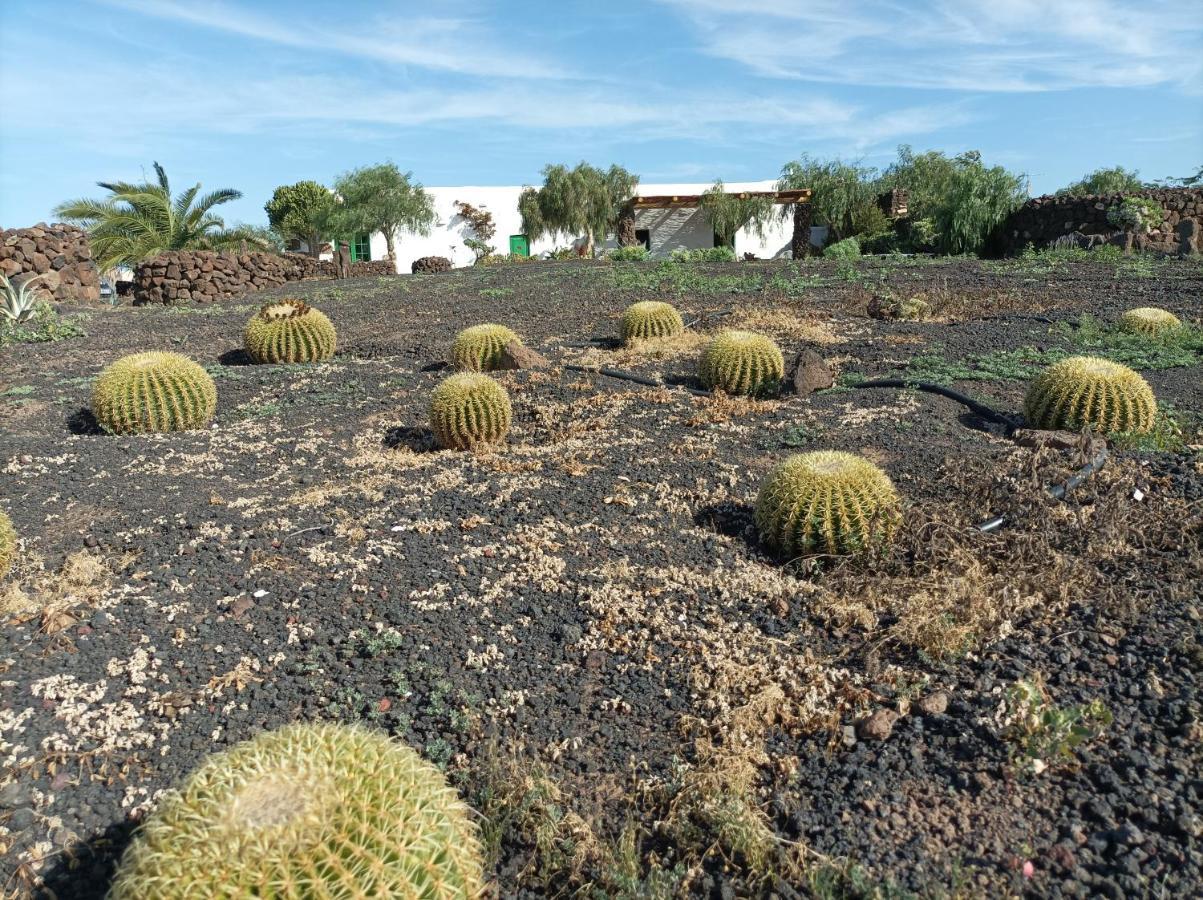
661,230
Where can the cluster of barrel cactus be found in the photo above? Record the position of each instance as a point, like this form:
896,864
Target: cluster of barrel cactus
479,348
289,331
742,362
311,810
8,543
1087,391
650,319
154,391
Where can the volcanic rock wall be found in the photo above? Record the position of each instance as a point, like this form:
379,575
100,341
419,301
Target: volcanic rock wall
1042,221
58,253
202,276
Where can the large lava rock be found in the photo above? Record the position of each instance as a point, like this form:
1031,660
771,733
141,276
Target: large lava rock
429,265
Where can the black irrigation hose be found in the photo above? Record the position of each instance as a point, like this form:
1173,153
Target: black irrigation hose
981,409
637,379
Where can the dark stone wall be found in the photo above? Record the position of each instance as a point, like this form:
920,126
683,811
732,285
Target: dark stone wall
1045,220
202,276
58,253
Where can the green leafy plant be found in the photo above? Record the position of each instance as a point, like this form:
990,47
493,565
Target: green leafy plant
730,212
650,319
742,362
704,254
152,392
1045,735
45,326
583,200
138,221
301,212
307,811
479,348
289,331
1138,214
1116,180
469,410
17,301
8,543
826,502
1167,435
634,253
842,194
848,248
1087,391
381,199
1149,320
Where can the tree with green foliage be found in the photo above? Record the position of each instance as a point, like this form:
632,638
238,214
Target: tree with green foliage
843,195
138,221
1116,180
978,198
301,212
728,212
584,201
380,198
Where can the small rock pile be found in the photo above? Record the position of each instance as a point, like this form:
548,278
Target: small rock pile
59,254
429,265
203,276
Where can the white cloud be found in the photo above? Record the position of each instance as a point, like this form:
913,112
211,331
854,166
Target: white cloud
967,45
441,44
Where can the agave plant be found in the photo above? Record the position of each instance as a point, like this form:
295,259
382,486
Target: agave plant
17,301
138,221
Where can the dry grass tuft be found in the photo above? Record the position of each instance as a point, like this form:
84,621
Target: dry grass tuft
784,323
721,407
53,597
637,352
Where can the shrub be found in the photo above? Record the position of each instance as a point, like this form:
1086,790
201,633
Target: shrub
307,811
503,259
1150,321
705,254
635,253
17,301
1084,391
430,265
848,248
469,410
742,362
478,349
826,502
155,391
289,331
8,543
650,319
45,325
1138,214
887,306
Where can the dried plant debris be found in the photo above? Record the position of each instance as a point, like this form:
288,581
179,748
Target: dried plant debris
580,626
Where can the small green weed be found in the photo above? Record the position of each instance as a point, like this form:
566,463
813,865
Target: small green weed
1168,434
44,326
1044,735
495,293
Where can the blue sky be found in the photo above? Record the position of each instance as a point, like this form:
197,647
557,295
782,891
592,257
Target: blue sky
250,95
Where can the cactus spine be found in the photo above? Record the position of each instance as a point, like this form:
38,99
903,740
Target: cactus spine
469,410
478,349
742,362
826,502
1086,391
307,811
289,331
650,319
153,391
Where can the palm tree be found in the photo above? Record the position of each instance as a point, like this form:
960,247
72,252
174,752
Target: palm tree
138,221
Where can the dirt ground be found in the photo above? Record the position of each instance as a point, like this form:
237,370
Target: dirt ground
580,627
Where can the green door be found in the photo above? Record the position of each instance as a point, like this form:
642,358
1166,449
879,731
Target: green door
519,245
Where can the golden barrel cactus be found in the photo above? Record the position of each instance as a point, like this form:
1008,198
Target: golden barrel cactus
478,349
826,502
8,543
289,331
742,362
470,410
1086,391
1150,321
650,319
154,391
307,811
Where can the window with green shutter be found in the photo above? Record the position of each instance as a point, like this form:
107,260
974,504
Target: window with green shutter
361,248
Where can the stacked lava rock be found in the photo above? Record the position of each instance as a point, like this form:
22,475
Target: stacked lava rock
59,254
1045,220
429,265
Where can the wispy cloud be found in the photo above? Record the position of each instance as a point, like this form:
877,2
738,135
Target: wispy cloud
965,45
443,44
